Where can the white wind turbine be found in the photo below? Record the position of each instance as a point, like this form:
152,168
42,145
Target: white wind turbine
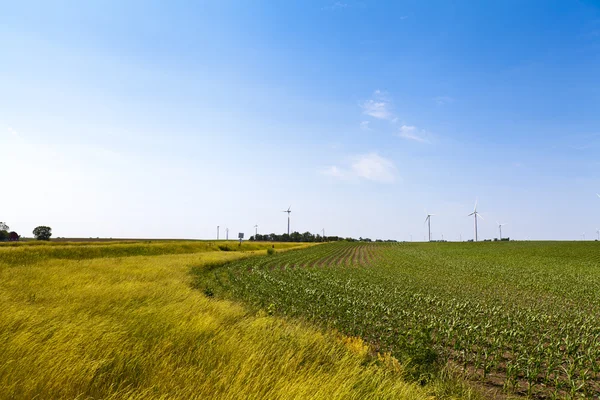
475,214
428,221
500,227
598,233
288,211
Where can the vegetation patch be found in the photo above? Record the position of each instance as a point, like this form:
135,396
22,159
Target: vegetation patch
131,327
523,317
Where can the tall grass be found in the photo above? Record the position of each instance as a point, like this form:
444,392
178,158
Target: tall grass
24,253
131,327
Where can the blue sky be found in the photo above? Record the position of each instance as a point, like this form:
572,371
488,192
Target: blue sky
166,119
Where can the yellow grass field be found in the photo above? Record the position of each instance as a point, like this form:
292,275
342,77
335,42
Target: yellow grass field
131,327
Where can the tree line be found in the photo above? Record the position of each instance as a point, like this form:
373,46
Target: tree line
40,233
307,237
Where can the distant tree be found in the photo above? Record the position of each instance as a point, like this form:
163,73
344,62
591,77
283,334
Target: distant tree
295,237
308,237
42,232
3,226
3,235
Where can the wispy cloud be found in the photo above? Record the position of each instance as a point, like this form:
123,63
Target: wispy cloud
335,172
442,100
338,5
364,125
378,106
12,132
412,133
370,166
583,142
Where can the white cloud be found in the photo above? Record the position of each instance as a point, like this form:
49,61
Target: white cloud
441,100
378,106
364,125
370,166
8,130
337,6
335,172
374,167
376,109
412,133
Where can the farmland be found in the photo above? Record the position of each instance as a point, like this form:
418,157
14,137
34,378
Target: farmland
121,320
520,317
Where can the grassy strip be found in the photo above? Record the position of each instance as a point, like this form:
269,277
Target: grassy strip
24,253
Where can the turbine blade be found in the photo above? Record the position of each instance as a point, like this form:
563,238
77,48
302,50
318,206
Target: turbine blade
471,214
479,215
476,201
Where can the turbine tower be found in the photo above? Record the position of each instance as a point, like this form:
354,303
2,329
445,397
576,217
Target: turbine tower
428,221
226,233
288,211
255,231
217,232
323,230
500,227
598,233
475,214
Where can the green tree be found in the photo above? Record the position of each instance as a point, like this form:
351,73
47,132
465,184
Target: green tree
3,231
42,232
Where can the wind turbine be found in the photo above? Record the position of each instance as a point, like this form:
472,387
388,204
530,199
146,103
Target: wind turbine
255,231
583,235
475,214
598,232
500,227
226,233
288,211
323,230
217,232
428,221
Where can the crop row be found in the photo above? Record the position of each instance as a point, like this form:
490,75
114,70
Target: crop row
510,315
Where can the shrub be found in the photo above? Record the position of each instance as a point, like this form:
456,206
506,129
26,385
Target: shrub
270,251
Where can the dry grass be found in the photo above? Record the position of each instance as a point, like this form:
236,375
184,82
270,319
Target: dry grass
132,327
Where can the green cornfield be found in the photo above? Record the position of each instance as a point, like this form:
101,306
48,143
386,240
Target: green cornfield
521,317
